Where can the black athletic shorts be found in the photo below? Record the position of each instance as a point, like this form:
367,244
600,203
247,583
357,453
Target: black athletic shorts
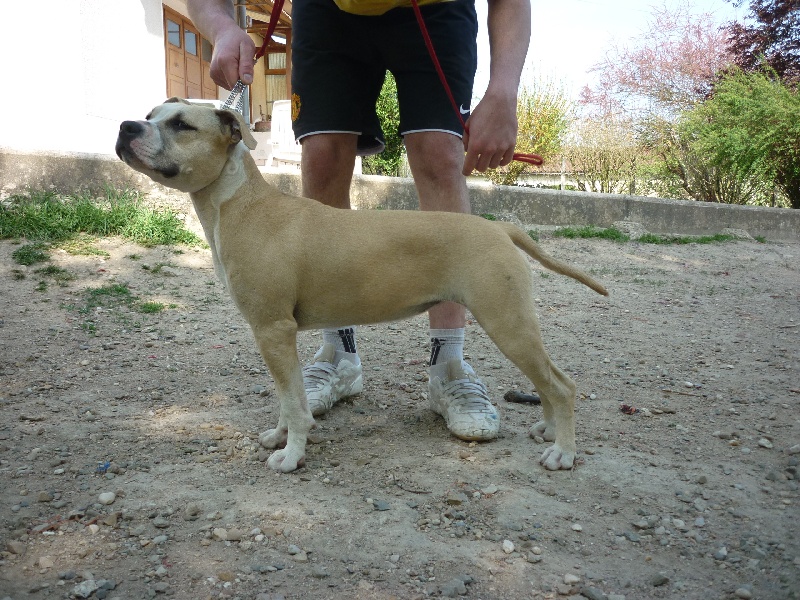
339,61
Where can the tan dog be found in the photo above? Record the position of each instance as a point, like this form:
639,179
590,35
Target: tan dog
292,263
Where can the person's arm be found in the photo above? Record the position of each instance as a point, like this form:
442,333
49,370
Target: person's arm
493,123
233,49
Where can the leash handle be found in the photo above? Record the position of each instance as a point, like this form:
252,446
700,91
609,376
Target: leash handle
532,159
239,88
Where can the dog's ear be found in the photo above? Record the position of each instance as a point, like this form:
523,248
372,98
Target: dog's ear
239,130
176,99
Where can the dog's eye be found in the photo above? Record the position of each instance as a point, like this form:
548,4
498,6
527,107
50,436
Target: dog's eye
181,125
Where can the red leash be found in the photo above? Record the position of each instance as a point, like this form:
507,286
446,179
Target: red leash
533,159
277,7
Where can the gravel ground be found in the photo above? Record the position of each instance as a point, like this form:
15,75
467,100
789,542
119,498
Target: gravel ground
130,467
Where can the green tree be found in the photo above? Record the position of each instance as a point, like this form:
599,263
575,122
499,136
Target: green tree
751,127
387,162
543,114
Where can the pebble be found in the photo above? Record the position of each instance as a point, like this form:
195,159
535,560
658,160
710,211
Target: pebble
508,546
192,512
107,498
571,579
743,593
16,547
453,588
794,449
658,580
160,522
765,443
721,554
85,588
593,594
577,527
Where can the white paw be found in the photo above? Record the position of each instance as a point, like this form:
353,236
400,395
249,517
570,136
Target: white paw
544,430
286,460
554,458
273,438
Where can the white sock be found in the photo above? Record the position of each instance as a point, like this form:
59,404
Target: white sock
446,344
344,342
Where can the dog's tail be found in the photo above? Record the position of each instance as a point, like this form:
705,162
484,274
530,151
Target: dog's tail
524,242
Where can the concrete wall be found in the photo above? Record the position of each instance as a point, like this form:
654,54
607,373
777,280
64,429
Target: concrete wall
74,69
69,173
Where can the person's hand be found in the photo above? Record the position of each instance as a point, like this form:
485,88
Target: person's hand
233,57
491,133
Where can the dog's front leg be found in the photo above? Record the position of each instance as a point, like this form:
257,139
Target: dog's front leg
278,346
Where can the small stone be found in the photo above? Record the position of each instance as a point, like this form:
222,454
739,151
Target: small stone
107,498
380,505
456,498
571,579
45,562
192,512
234,535
721,554
15,547
85,588
765,443
577,527
592,593
794,449
45,496
93,529
743,593
160,522
219,533
658,580
453,588
508,546
294,549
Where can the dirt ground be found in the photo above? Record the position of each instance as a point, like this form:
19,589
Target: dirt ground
130,467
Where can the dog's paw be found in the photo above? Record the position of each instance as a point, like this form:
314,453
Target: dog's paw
544,430
555,458
273,438
286,460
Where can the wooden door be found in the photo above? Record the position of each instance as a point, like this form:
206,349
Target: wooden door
188,57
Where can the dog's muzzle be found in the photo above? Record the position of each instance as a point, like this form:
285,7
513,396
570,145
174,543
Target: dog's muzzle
128,131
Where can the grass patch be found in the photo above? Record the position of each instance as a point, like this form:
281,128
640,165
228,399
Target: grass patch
489,217
151,307
45,216
30,254
610,233
61,276
652,238
111,298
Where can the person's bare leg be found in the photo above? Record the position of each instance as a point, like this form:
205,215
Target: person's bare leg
454,391
327,170
327,167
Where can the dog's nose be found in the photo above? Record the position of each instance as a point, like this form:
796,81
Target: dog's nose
130,129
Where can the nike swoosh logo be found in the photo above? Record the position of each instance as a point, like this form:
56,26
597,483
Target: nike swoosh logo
462,111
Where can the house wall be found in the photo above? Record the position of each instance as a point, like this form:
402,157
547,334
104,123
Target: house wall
74,69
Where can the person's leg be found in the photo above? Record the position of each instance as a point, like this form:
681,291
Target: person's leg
334,83
455,392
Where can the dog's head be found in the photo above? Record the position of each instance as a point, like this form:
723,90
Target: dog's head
182,145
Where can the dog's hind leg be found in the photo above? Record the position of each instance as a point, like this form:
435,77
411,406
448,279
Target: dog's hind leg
278,346
506,312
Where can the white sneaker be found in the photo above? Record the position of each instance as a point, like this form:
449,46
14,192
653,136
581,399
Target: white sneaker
326,384
464,403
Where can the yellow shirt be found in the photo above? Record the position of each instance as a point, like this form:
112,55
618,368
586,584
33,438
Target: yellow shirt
376,7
